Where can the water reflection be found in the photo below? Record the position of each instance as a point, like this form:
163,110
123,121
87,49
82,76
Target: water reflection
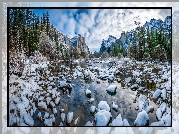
124,97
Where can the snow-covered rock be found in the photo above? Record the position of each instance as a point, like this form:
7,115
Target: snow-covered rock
156,94
117,122
142,119
69,117
62,83
88,92
143,104
102,118
54,110
28,119
46,115
91,100
48,99
89,123
114,106
76,121
103,106
89,131
161,110
48,122
42,105
52,104
63,116
118,80
134,87
111,89
92,109
128,80
57,100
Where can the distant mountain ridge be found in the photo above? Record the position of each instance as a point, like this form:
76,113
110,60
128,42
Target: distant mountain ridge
126,37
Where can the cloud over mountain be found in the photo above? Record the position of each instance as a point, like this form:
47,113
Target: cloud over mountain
97,24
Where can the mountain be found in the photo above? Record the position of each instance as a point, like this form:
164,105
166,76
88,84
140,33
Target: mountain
126,37
78,43
107,44
64,45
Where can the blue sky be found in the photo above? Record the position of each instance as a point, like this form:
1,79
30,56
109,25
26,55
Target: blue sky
97,24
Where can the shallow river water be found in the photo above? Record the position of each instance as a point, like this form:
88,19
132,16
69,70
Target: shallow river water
78,103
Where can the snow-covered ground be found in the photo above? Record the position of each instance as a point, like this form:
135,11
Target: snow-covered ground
39,91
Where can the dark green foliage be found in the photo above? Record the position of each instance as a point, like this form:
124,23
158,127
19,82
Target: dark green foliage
24,30
152,44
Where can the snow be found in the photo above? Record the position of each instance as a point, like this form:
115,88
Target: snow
62,83
52,104
63,116
159,114
118,80
145,130
57,100
50,78
76,121
28,119
54,110
125,122
164,94
69,117
89,131
122,130
12,119
138,81
45,130
103,106
102,118
134,86
159,123
143,104
48,122
88,92
91,100
117,122
24,130
92,109
59,131
46,115
42,105
48,99
128,80
111,88
142,119
89,123
157,93
39,114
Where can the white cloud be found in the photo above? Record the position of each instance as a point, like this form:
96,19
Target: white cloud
97,25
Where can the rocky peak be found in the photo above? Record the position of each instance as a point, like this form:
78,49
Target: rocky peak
78,42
